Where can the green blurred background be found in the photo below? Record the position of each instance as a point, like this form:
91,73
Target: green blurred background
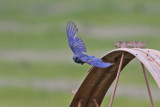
36,67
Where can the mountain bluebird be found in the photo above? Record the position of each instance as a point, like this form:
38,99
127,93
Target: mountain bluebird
77,46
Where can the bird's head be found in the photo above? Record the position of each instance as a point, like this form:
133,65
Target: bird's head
77,59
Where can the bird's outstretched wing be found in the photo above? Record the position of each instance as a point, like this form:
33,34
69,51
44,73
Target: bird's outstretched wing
95,61
75,43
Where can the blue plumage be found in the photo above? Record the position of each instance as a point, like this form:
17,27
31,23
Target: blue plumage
77,46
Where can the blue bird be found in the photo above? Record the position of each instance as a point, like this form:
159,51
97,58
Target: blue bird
77,46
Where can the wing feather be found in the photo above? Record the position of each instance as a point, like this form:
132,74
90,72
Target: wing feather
95,61
75,43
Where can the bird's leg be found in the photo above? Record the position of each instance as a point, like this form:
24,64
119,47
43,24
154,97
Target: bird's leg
82,63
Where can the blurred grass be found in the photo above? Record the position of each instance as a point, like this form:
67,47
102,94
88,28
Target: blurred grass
40,26
55,43
129,102
42,70
19,97
69,71
104,12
